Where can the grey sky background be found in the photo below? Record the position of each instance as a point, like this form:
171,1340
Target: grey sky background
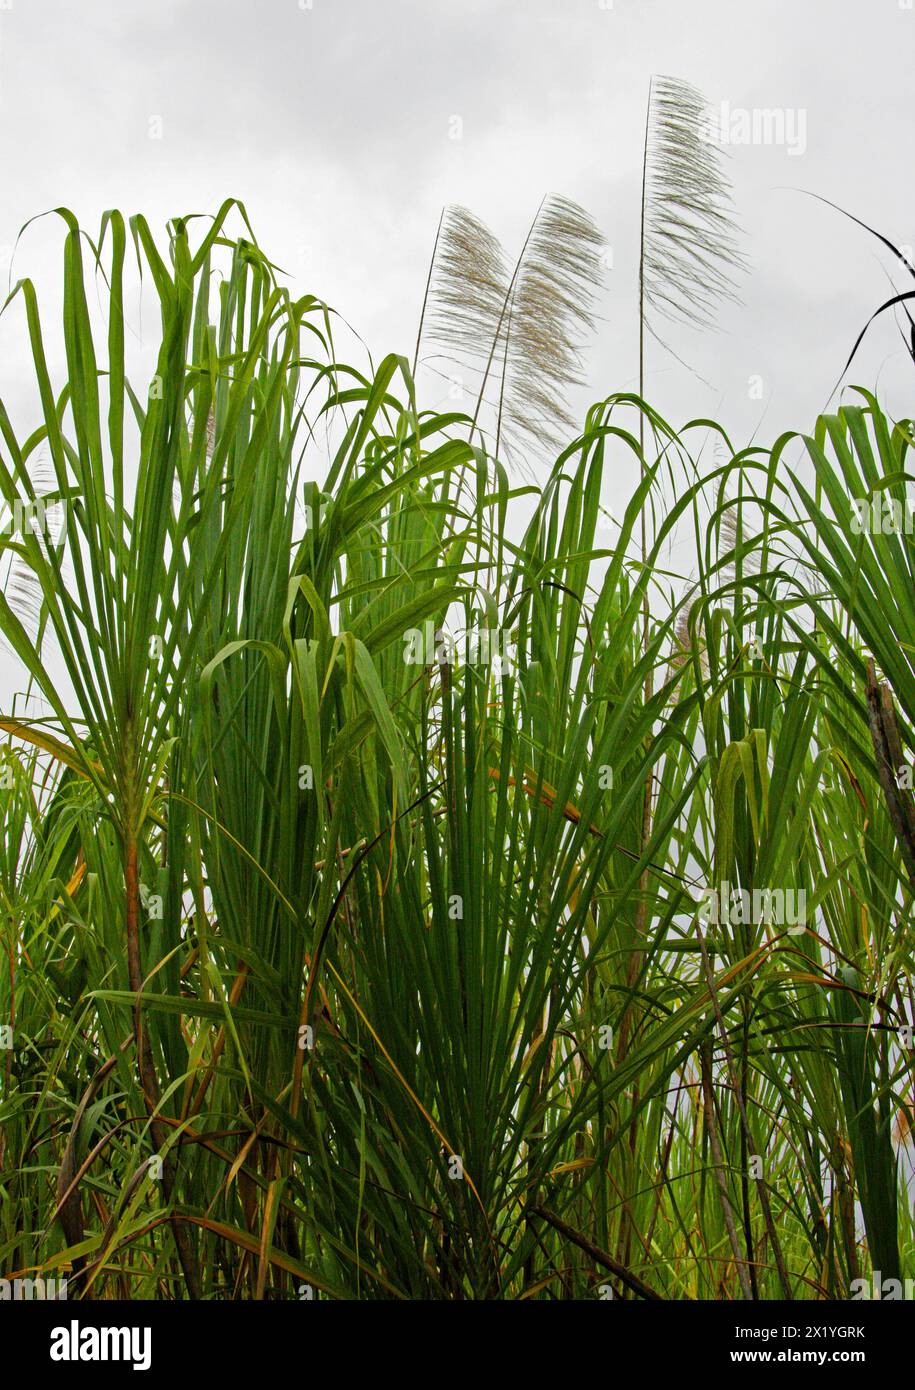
333,122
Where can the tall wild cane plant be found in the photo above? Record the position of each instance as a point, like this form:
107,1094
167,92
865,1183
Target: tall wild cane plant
333,972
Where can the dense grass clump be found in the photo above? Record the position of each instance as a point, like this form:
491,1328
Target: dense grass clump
410,889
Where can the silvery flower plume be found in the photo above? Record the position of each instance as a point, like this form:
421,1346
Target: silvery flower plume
690,256
518,328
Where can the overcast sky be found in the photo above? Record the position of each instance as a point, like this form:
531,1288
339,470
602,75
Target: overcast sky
335,122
